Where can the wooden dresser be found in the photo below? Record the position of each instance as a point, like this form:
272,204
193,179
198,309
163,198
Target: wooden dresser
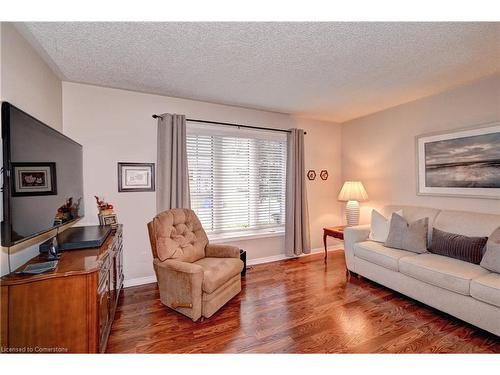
69,310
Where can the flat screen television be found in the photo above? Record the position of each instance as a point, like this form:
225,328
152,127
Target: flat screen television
42,177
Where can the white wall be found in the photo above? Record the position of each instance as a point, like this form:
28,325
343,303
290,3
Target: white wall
379,149
27,82
116,125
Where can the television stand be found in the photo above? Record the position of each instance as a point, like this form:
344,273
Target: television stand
79,298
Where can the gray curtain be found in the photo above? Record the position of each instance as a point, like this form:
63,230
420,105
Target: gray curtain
297,240
172,167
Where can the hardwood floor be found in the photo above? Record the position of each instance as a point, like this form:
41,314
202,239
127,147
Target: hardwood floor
296,306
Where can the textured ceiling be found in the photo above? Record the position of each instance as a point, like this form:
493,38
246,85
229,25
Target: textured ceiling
332,71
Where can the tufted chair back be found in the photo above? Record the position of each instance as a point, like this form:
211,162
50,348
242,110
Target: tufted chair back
177,234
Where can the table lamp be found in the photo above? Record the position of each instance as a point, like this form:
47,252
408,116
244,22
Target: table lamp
352,192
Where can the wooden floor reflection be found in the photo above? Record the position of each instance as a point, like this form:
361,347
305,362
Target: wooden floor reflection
296,306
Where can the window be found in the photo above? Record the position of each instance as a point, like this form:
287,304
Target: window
237,177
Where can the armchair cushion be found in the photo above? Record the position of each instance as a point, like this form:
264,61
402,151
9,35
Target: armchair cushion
179,235
217,271
222,251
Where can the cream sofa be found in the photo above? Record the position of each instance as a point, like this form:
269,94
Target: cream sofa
464,290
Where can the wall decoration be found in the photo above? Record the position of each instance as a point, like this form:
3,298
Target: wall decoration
30,179
461,163
136,177
324,175
106,214
104,208
311,175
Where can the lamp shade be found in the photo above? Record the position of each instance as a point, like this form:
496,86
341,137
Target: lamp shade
353,191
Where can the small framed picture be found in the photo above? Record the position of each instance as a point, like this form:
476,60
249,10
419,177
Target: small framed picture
108,219
31,179
136,177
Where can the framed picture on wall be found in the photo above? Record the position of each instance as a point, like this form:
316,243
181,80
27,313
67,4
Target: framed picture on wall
462,163
31,179
136,177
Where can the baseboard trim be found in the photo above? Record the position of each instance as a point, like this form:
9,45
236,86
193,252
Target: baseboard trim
139,281
272,258
278,257
251,262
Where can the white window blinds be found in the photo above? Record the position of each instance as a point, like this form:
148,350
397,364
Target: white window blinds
236,177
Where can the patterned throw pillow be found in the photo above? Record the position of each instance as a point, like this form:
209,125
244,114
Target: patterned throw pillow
408,236
468,249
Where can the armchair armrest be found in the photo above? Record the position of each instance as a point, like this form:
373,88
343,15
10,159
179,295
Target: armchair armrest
222,251
180,286
178,266
352,235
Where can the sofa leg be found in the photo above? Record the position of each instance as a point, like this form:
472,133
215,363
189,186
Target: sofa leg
350,274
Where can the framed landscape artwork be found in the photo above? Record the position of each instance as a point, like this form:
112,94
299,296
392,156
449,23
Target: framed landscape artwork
136,177
461,163
31,179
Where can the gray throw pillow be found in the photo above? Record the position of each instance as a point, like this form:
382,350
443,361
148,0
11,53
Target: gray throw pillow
458,246
408,236
491,258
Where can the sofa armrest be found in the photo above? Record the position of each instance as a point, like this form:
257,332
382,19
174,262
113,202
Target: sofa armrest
180,286
222,251
352,235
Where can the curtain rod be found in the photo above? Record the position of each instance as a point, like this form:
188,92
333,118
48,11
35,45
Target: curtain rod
231,124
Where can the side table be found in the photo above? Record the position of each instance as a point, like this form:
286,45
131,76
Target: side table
335,232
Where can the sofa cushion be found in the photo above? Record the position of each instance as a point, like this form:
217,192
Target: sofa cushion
216,271
408,236
486,288
468,249
377,253
470,224
441,271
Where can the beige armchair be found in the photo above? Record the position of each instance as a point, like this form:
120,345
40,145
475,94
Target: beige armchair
195,278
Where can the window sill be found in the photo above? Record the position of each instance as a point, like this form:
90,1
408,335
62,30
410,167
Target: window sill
246,235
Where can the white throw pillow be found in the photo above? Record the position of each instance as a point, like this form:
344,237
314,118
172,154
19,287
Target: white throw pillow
379,228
